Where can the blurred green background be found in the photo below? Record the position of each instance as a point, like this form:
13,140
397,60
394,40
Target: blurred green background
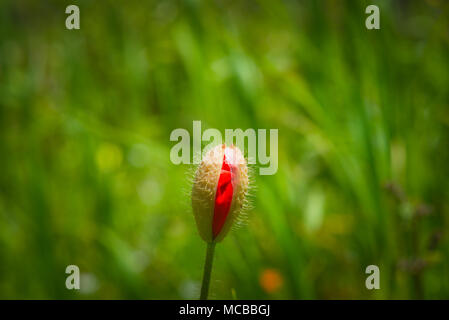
86,177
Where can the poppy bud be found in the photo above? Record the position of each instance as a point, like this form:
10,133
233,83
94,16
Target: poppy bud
219,190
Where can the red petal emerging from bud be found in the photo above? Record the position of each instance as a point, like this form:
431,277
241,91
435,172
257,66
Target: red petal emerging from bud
223,197
219,191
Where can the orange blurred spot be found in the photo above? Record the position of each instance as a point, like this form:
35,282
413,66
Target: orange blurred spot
271,280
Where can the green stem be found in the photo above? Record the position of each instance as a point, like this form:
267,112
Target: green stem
207,270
